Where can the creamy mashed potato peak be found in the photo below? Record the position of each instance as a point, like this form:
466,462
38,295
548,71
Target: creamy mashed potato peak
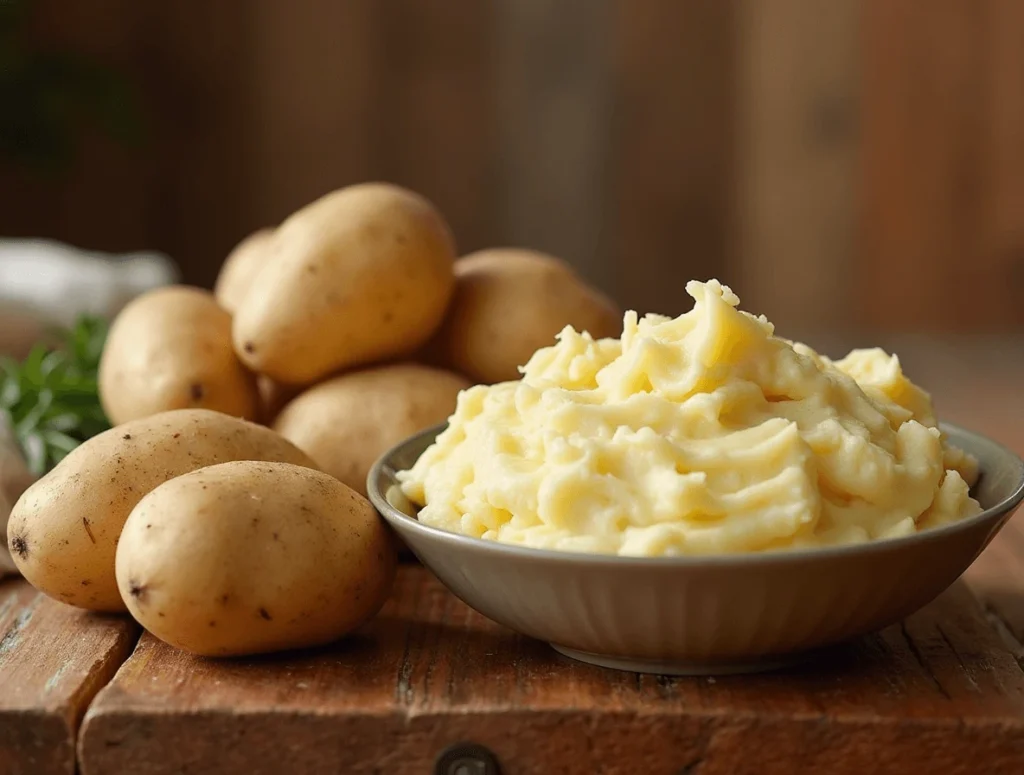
702,434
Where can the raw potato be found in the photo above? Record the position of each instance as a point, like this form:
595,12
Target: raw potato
509,303
64,529
361,275
240,268
273,397
171,349
346,423
245,558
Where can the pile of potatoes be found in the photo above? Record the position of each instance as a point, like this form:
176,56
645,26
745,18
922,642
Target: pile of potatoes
347,328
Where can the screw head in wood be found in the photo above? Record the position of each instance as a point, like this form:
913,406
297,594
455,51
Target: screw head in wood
466,759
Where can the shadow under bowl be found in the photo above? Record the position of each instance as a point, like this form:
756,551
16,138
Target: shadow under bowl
710,614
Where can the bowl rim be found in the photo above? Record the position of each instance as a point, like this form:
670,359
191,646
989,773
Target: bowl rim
400,520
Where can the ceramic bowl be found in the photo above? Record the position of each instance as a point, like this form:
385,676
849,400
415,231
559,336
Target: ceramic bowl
703,615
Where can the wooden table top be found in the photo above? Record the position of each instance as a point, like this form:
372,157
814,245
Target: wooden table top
943,692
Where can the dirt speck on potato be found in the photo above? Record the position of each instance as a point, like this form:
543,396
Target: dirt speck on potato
88,529
197,391
19,546
137,591
264,614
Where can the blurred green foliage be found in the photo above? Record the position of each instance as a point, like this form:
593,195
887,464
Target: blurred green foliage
51,400
47,96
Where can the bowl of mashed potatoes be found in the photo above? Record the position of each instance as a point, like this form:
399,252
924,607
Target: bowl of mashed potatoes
699,495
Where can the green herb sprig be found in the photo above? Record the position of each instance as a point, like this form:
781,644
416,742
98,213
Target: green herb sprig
51,399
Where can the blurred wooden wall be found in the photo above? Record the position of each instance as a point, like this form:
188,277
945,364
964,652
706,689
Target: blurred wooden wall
855,164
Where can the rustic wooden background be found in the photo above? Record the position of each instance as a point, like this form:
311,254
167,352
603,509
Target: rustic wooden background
849,165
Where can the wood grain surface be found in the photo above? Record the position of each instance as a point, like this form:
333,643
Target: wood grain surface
671,190
554,127
941,692
823,158
942,190
53,660
796,168
433,118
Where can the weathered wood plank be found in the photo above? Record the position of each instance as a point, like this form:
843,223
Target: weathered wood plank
671,209
103,199
1001,226
941,692
943,122
554,102
997,580
796,159
294,115
433,108
53,660
199,62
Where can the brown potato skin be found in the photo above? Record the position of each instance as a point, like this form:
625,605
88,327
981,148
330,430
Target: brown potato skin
64,528
508,303
240,267
171,348
362,275
245,558
349,421
273,397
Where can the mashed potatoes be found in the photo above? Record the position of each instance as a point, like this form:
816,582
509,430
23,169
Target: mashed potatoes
702,434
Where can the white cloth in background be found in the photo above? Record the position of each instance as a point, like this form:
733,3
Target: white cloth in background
45,284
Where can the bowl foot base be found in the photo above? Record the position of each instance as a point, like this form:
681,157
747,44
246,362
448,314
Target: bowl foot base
681,667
